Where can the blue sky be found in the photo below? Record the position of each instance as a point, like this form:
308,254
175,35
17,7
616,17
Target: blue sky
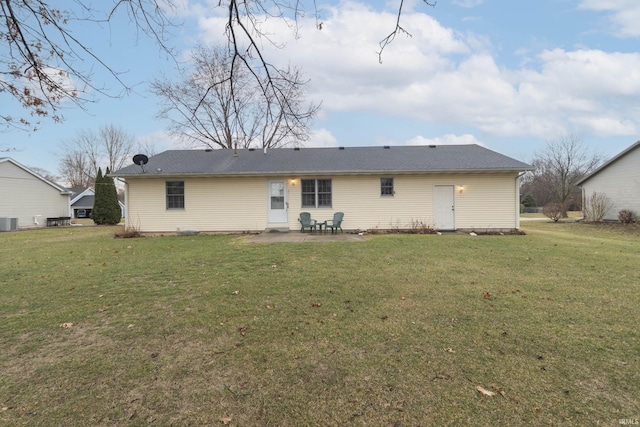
508,75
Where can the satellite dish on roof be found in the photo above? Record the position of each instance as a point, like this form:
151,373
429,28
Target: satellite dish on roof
140,160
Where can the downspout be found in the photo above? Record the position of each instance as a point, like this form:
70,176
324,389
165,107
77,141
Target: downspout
126,203
520,175
584,200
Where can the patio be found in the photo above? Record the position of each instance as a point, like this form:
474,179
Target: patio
296,236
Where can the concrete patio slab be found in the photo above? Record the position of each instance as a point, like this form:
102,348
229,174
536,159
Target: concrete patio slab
296,236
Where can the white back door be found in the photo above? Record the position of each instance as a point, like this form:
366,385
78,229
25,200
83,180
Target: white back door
445,209
277,202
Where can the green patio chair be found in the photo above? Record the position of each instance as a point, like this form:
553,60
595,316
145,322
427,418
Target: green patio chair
335,223
306,222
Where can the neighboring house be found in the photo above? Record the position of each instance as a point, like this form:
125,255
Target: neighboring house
619,180
447,187
27,196
81,204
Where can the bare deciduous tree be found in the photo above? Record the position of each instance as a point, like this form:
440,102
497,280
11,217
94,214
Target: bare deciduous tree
146,146
44,173
43,64
111,147
531,184
75,169
219,105
560,165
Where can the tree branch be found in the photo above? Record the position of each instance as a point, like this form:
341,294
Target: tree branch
398,29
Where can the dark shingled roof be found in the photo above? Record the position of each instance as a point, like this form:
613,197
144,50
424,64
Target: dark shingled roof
85,201
325,161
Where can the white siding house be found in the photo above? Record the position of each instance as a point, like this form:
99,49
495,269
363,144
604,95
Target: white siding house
445,187
619,180
27,196
82,201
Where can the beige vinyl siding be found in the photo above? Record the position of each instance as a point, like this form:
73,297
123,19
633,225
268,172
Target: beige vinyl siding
620,182
487,201
25,196
240,204
211,204
359,198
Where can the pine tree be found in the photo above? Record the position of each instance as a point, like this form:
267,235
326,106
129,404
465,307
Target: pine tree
113,212
98,203
106,209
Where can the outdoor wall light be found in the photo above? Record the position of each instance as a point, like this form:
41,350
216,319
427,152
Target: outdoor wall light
293,182
460,188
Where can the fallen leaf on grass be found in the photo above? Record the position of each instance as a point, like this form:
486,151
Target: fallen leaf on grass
486,295
225,420
484,391
236,292
243,330
316,304
499,390
449,350
67,325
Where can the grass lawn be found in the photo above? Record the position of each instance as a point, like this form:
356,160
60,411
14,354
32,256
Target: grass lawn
399,330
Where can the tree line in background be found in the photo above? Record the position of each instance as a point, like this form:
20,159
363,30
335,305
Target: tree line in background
109,147
558,167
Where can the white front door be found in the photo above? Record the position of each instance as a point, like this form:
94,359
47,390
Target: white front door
444,215
277,202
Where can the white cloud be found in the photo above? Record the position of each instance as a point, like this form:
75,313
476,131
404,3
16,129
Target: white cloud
467,3
624,15
448,139
321,138
442,76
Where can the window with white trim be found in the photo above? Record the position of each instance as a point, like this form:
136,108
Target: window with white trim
316,193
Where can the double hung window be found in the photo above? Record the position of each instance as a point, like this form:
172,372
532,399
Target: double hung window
175,194
386,187
316,193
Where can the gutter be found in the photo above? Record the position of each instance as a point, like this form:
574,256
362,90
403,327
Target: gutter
313,173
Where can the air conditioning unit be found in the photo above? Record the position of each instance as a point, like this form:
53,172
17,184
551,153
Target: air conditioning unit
8,224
